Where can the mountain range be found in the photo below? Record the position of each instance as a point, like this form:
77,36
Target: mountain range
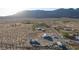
58,13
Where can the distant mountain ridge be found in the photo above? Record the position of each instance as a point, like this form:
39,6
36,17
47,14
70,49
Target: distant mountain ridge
58,13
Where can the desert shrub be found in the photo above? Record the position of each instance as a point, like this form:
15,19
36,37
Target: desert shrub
57,29
26,22
65,34
66,21
43,25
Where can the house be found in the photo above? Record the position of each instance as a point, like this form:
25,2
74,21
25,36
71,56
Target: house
40,29
68,28
34,43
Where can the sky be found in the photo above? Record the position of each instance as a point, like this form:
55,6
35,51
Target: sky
9,7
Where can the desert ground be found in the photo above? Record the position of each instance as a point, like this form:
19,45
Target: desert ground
18,34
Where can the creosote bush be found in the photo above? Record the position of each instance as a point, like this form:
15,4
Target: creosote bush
42,25
65,34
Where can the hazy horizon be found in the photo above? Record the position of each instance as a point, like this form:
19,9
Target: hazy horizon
11,11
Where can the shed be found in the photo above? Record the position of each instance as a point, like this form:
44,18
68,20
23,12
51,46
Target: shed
40,29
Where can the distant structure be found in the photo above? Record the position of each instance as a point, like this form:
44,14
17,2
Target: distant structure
40,29
62,46
47,37
34,42
76,36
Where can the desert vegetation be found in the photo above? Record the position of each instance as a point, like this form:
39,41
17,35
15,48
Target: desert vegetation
18,35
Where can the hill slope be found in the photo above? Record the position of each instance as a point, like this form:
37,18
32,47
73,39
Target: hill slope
68,13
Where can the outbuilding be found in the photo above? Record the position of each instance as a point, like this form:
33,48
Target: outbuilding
40,29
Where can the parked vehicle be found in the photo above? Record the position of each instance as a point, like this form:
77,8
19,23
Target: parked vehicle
34,43
47,37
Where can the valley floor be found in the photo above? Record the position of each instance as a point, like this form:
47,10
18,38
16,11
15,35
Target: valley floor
18,35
